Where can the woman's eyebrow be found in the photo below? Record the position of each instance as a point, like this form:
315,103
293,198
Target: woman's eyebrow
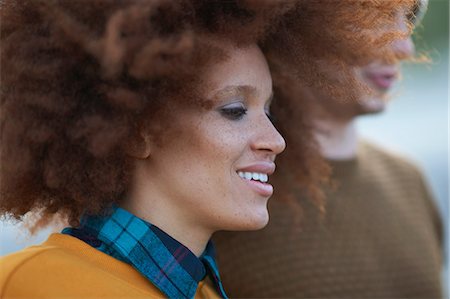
235,90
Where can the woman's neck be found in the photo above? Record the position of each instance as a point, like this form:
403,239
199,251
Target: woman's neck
145,202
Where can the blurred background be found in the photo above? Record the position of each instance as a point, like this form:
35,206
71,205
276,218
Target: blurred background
415,124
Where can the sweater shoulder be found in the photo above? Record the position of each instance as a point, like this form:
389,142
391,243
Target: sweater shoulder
388,158
52,271
398,170
20,267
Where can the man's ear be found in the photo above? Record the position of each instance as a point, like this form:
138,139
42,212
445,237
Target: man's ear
140,147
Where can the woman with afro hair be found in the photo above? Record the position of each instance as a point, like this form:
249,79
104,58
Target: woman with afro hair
146,125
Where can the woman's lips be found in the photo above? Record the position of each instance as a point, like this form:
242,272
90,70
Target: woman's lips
263,189
255,176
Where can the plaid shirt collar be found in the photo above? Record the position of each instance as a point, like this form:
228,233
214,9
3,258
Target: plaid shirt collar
168,264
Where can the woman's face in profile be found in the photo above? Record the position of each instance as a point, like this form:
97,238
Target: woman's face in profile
214,171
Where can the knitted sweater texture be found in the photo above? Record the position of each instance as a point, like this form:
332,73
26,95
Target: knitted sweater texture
380,238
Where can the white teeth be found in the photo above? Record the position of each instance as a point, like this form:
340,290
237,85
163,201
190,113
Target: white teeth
263,177
256,176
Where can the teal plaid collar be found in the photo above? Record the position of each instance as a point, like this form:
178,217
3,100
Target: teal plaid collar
168,264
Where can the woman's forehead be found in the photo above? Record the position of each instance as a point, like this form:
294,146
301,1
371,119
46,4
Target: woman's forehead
245,70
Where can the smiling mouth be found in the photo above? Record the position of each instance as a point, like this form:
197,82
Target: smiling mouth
257,181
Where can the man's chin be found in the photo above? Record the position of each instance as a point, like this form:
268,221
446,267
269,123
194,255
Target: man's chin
372,106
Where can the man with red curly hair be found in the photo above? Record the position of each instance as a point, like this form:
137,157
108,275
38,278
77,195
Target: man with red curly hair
381,235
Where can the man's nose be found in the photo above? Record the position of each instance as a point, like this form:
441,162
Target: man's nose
404,47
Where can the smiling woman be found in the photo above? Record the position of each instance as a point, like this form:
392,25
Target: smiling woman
190,186
146,124
137,132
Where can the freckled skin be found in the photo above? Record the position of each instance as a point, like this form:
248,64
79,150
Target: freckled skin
190,183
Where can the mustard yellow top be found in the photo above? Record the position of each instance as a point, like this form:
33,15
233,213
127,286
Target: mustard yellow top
66,267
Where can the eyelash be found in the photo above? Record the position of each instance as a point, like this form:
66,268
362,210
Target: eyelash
234,113
237,113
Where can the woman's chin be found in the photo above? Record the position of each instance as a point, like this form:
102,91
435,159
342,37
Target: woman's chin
254,221
261,223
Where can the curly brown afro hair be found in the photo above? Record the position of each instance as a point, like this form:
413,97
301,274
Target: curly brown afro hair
80,80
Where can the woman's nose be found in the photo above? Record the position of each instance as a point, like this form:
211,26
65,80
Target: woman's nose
268,138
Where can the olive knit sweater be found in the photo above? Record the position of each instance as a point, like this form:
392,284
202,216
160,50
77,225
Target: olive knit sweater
380,238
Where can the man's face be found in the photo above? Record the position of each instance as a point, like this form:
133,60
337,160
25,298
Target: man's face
378,76
381,77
